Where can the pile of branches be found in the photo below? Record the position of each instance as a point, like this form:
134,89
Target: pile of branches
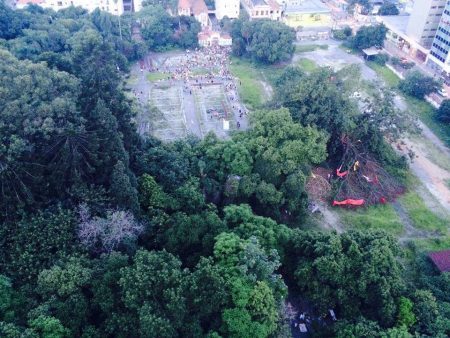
318,185
361,180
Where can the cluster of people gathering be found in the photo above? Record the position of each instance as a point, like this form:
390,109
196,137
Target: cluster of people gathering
200,68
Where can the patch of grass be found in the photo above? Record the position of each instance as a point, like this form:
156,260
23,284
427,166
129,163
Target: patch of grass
420,215
309,48
307,65
381,217
426,113
202,72
153,77
250,90
391,79
433,244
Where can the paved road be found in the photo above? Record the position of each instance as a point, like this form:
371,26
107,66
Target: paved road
190,114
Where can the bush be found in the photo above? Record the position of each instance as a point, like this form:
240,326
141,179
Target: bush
381,59
443,113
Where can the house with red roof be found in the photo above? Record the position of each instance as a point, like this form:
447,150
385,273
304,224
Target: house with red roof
195,8
441,260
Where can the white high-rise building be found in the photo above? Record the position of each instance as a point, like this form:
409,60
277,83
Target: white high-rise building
424,21
228,8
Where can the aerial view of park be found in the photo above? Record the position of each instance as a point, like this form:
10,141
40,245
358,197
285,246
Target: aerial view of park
224,168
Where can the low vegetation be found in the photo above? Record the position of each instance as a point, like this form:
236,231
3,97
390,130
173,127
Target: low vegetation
381,217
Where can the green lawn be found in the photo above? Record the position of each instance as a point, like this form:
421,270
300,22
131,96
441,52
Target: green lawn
381,217
251,90
307,65
420,108
420,215
391,79
433,244
425,112
309,48
153,77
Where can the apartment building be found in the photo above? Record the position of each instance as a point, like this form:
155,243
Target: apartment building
439,53
424,21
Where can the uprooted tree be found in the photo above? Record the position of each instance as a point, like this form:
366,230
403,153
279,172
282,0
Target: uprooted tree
361,180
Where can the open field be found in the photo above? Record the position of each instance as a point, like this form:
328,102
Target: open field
309,48
381,217
250,88
307,65
391,79
421,216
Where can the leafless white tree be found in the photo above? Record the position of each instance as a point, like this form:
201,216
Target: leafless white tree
106,234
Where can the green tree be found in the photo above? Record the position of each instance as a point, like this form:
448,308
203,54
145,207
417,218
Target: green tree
264,41
156,27
121,191
49,327
369,36
154,284
388,8
38,109
36,243
418,85
314,100
443,113
406,315
354,273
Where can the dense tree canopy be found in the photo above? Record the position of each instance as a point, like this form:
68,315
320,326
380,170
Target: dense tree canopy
264,41
369,36
106,234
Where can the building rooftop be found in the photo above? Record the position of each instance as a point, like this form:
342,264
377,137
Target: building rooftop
197,6
398,25
272,3
26,2
441,259
307,7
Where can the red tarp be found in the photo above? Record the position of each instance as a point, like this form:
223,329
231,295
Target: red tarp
338,172
349,202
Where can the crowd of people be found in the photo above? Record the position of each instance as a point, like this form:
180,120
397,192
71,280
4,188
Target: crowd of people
200,68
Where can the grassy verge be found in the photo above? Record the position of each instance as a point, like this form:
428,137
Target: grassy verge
426,112
420,215
433,244
250,88
307,65
420,108
381,217
153,77
309,48
391,79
